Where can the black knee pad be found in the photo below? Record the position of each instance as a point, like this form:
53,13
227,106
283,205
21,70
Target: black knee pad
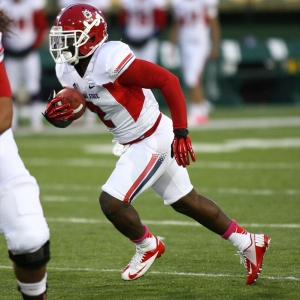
34,260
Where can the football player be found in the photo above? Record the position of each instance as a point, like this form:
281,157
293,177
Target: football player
196,29
22,59
21,216
154,149
141,22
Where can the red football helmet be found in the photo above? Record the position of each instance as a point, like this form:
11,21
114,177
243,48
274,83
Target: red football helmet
78,31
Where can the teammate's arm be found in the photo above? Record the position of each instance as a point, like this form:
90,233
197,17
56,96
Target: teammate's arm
6,109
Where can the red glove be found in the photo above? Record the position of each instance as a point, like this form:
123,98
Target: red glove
58,114
182,147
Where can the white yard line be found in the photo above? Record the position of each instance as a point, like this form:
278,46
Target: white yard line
88,188
286,278
166,223
246,123
96,163
233,145
219,124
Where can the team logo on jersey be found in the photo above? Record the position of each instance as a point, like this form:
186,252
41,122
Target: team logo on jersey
88,15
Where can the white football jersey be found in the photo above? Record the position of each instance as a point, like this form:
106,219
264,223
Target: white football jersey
128,112
141,23
193,17
23,33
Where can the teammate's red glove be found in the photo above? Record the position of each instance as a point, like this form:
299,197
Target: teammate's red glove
59,115
182,147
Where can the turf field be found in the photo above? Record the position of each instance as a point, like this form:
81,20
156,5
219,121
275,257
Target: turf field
248,161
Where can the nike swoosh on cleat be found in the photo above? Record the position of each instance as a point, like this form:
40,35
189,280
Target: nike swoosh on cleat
132,276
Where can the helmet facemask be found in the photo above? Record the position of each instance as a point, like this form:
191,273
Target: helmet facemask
64,45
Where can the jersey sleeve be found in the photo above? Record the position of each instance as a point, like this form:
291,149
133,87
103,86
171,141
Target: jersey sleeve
118,60
147,75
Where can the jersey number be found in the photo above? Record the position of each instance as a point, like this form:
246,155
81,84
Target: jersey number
101,114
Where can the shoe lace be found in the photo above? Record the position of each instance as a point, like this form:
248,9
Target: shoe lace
137,258
242,258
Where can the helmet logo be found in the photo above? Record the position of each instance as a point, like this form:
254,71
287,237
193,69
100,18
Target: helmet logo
88,15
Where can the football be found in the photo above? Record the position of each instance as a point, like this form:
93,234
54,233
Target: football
75,99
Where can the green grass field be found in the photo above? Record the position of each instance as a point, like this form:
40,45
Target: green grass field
248,161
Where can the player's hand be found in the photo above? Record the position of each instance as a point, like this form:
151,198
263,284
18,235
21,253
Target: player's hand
181,147
57,111
58,114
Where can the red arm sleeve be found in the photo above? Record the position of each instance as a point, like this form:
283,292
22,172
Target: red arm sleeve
41,25
145,74
5,90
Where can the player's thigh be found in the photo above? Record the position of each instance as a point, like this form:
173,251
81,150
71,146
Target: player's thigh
137,170
21,217
32,64
173,184
142,164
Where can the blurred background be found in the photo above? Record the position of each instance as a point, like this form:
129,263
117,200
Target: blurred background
259,60
259,52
